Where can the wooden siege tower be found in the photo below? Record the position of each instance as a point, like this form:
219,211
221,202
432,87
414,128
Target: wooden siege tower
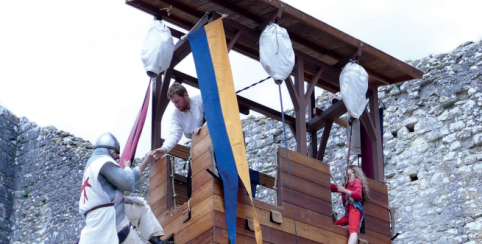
321,51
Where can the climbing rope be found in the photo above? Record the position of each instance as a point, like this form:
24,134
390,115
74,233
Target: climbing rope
350,123
286,148
257,83
276,174
173,182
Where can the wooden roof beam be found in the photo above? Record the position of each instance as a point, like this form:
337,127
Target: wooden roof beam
156,12
253,37
184,8
354,55
272,19
318,25
183,48
334,112
236,9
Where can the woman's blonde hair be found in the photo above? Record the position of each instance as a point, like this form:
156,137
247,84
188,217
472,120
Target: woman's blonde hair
361,176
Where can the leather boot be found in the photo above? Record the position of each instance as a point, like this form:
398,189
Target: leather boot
157,240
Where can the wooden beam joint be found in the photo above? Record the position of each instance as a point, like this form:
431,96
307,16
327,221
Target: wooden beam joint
274,17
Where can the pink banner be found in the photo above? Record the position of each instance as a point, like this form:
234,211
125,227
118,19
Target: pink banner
131,145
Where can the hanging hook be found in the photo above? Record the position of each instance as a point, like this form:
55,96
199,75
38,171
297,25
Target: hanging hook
168,10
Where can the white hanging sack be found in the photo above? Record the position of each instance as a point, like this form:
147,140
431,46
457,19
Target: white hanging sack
276,52
158,49
353,88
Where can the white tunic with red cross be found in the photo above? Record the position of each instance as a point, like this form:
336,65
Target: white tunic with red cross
100,224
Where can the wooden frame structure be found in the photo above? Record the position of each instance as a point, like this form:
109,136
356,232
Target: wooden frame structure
321,52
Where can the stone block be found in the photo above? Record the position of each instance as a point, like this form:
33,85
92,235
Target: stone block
2,211
457,126
33,134
478,139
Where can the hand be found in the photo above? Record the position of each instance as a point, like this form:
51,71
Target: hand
127,163
196,131
158,153
340,189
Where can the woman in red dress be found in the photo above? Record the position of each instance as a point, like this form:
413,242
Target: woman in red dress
353,195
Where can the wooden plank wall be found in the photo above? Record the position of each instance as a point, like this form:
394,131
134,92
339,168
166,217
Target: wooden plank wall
377,220
310,204
200,228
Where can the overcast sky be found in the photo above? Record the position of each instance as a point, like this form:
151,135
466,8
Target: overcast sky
76,64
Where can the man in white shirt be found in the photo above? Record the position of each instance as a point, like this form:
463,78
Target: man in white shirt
187,118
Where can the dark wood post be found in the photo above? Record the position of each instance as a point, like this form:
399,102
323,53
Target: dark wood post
300,106
377,144
314,141
324,139
301,100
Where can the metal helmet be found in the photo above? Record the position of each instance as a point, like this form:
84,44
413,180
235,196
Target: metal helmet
107,140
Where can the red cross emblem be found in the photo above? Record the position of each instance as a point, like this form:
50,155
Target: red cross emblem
86,184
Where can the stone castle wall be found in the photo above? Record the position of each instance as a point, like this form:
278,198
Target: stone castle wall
41,172
8,138
433,159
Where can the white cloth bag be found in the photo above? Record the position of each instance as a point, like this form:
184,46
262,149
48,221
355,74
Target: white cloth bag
158,49
276,52
353,88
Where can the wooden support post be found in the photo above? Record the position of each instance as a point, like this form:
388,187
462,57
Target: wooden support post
324,139
300,100
155,127
371,123
162,100
234,40
377,144
314,140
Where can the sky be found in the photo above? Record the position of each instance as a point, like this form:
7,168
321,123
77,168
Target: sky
76,64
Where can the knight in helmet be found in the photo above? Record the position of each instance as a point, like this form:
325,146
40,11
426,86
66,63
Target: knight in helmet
109,215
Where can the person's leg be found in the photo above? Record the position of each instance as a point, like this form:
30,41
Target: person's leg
132,238
354,222
353,238
342,221
141,216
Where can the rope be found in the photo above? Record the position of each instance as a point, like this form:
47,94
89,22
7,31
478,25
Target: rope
168,10
287,157
246,88
173,182
334,181
383,104
350,123
223,16
276,175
